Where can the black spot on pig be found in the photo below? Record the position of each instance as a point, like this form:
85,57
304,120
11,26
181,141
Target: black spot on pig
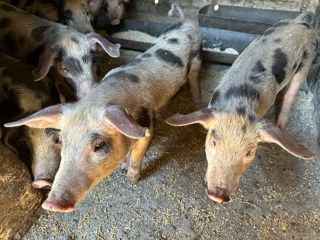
278,40
71,84
244,90
173,41
189,37
244,128
174,27
10,42
146,55
251,118
280,61
143,117
86,58
258,67
280,24
215,97
67,17
305,24
133,62
73,66
73,39
197,53
5,22
38,33
169,57
264,40
33,57
8,8
122,75
241,111
268,32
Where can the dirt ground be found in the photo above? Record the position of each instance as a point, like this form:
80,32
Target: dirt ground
278,197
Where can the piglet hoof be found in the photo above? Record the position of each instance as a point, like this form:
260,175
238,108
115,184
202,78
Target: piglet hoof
282,122
134,176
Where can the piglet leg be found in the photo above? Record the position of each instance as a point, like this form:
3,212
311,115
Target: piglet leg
289,97
193,79
137,154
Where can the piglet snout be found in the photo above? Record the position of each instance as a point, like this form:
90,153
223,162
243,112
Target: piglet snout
57,207
218,195
41,183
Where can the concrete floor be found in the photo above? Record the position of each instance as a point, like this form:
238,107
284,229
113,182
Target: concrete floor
278,197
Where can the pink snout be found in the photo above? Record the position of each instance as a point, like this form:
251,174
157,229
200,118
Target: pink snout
218,195
57,207
41,183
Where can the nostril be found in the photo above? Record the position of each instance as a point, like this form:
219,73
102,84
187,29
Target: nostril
205,184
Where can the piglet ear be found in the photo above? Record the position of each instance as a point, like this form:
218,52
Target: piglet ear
111,49
46,118
273,134
49,9
124,123
202,116
46,60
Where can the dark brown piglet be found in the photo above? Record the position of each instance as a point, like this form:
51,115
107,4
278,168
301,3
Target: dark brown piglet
281,56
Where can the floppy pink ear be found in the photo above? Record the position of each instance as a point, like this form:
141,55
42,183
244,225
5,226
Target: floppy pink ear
111,49
124,123
46,59
48,10
273,134
202,116
46,118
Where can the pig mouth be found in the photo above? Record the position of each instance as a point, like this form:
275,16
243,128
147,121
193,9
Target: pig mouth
42,183
56,207
217,197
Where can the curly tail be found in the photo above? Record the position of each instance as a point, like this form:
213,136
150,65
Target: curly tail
307,17
176,6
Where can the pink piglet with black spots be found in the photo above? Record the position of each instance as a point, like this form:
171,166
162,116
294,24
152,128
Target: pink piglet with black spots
279,57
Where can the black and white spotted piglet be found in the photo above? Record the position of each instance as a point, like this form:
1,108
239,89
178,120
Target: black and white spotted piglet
21,96
74,13
45,44
114,121
281,56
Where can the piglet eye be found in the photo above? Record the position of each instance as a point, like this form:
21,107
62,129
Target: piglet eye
57,140
249,153
99,145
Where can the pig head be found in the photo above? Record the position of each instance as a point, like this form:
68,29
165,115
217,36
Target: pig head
114,9
231,144
91,148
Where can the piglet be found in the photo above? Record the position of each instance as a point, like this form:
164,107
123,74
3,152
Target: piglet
24,96
281,56
47,44
74,13
114,121
114,9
